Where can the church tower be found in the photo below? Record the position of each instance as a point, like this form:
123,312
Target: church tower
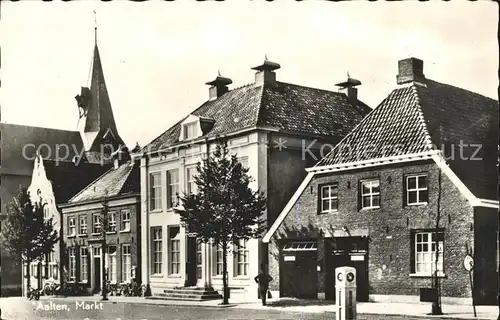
97,125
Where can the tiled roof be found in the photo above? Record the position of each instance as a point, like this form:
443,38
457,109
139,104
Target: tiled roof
17,139
68,179
281,105
120,181
427,117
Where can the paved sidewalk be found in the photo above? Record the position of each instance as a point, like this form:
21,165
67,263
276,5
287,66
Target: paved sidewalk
308,306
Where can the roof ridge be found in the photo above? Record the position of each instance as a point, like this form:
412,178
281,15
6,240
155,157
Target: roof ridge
37,127
429,145
303,86
90,184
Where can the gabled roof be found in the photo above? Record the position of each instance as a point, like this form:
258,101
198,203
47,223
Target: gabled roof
122,180
68,178
425,117
282,106
17,139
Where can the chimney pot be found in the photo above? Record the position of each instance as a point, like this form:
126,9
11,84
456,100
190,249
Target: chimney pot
265,72
218,87
410,70
351,90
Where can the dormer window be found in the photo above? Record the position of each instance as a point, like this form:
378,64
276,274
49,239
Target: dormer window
190,130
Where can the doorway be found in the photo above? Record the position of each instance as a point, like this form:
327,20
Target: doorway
298,274
97,274
347,252
191,261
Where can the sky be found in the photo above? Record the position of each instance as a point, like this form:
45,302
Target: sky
158,55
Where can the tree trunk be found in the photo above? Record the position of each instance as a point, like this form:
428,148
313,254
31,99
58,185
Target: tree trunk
28,276
225,288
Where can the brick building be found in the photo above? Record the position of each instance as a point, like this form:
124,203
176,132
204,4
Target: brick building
82,238
410,190
272,127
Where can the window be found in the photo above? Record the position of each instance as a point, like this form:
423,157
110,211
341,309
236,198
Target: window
370,194
174,250
96,223
112,222
84,264
191,183
416,190
244,162
53,268
241,258
112,264
172,187
329,198
425,252
125,221
156,246
155,196
83,225
71,226
218,261
46,212
72,264
126,263
199,261
189,130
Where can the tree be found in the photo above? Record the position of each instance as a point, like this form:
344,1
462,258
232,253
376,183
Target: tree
224,209
26,234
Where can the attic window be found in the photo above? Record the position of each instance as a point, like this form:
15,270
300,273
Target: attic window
190,130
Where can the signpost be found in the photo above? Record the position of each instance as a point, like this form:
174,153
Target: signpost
469,265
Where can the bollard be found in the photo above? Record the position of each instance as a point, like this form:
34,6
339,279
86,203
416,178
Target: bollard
345,297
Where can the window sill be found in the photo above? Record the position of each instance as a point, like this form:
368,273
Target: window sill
111,232
83,282
241,278
156,211
327,212
369,208
156,275
176,276
417,204
125,231
426,275
217,277
71,235
82,235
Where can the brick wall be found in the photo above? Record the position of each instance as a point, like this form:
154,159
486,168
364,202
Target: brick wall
388,227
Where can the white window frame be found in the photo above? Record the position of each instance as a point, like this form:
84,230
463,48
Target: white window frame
96,223
72,264
427,257
84,271
125,220
174,251
53,268
71,226
241,258
156,250
111,222
370,184
46,212
111,264
218,261
417,189
330,198
191,186
126,263
187,134
82,227
172,187
155,195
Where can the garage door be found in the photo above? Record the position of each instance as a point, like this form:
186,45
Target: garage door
298,275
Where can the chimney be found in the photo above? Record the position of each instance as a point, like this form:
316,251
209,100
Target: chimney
265,72
218,87
410,70
120,156
351,90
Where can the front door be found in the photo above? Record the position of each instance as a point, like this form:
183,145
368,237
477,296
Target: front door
191,261
97,274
